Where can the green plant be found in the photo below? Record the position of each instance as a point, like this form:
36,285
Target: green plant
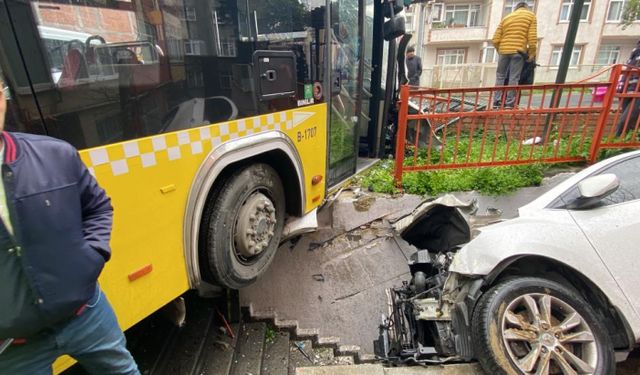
488,180
631,13
270,335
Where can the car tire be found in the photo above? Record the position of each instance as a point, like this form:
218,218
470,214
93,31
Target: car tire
509,340
242,226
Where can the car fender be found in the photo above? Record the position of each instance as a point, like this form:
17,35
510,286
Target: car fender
554,237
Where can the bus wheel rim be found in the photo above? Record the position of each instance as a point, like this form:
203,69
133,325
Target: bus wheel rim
256,225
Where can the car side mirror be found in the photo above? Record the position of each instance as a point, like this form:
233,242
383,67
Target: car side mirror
593,189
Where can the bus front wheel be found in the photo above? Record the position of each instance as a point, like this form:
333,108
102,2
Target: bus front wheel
242,226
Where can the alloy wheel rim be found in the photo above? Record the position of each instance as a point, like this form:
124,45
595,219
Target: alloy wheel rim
545,335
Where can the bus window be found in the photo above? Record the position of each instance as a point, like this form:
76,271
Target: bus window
13,120
121,70
21,114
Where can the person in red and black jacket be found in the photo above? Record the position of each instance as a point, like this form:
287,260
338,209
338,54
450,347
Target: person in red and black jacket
55,227
629,84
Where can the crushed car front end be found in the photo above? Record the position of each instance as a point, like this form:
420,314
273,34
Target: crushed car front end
429,316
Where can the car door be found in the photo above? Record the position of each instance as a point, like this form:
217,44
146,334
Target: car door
614,228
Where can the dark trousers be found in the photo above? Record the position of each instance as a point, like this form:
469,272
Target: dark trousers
629,112
508,66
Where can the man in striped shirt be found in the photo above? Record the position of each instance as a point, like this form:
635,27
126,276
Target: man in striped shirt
516,40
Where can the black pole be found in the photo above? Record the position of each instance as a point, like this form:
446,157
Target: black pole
569,41
565,60
376,81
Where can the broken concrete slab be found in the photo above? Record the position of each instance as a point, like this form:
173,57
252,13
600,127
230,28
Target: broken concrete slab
347,216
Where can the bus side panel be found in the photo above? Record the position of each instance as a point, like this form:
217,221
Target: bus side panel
148,181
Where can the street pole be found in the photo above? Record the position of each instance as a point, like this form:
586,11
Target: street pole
569,41
565,60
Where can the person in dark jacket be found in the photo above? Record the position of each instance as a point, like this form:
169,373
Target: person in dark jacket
414,67
55,227
629,107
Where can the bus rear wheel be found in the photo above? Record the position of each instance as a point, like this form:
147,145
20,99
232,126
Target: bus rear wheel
242,226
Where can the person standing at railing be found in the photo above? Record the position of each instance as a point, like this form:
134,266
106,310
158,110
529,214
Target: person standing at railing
627,121
414,67
516,41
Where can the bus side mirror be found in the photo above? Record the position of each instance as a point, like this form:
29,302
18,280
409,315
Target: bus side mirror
394,28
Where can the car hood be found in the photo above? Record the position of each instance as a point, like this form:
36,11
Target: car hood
443,224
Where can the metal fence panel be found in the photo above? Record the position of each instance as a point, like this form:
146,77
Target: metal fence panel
550,123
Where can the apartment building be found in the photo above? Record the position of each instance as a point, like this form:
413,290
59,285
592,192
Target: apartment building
459,32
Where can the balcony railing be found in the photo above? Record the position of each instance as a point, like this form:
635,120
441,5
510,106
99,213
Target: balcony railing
484,75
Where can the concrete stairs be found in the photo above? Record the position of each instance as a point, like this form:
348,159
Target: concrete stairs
352,353
259,349
259,345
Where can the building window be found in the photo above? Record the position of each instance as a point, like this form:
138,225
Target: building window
195,78
489,55
451,56
437,12
228,47
557,53
176,49
608,55
616,10
510,6
190,14
409,21
567,7
467,15
193,47
225,81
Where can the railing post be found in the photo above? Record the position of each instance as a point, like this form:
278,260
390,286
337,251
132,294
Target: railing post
604,115
401,134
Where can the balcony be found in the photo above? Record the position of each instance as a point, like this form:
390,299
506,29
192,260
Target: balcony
616,31
457,34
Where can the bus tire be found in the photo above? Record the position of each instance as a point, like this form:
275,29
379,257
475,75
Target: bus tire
243,224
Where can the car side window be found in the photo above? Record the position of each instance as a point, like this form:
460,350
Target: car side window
628,172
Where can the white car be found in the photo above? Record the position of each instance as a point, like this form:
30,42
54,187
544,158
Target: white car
554,291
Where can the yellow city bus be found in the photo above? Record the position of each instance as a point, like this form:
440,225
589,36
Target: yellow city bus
215,126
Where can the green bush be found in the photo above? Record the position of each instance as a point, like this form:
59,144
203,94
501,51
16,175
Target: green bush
488,180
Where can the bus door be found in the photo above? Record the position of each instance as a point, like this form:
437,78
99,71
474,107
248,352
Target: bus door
351,37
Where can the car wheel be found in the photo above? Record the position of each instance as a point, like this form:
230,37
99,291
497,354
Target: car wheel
242,226
536,326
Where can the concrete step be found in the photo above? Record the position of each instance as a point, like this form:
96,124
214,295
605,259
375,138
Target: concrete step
276,354
376,369
181,356
249,349
217,353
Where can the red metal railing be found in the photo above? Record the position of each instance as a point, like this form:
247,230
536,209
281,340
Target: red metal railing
554,123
